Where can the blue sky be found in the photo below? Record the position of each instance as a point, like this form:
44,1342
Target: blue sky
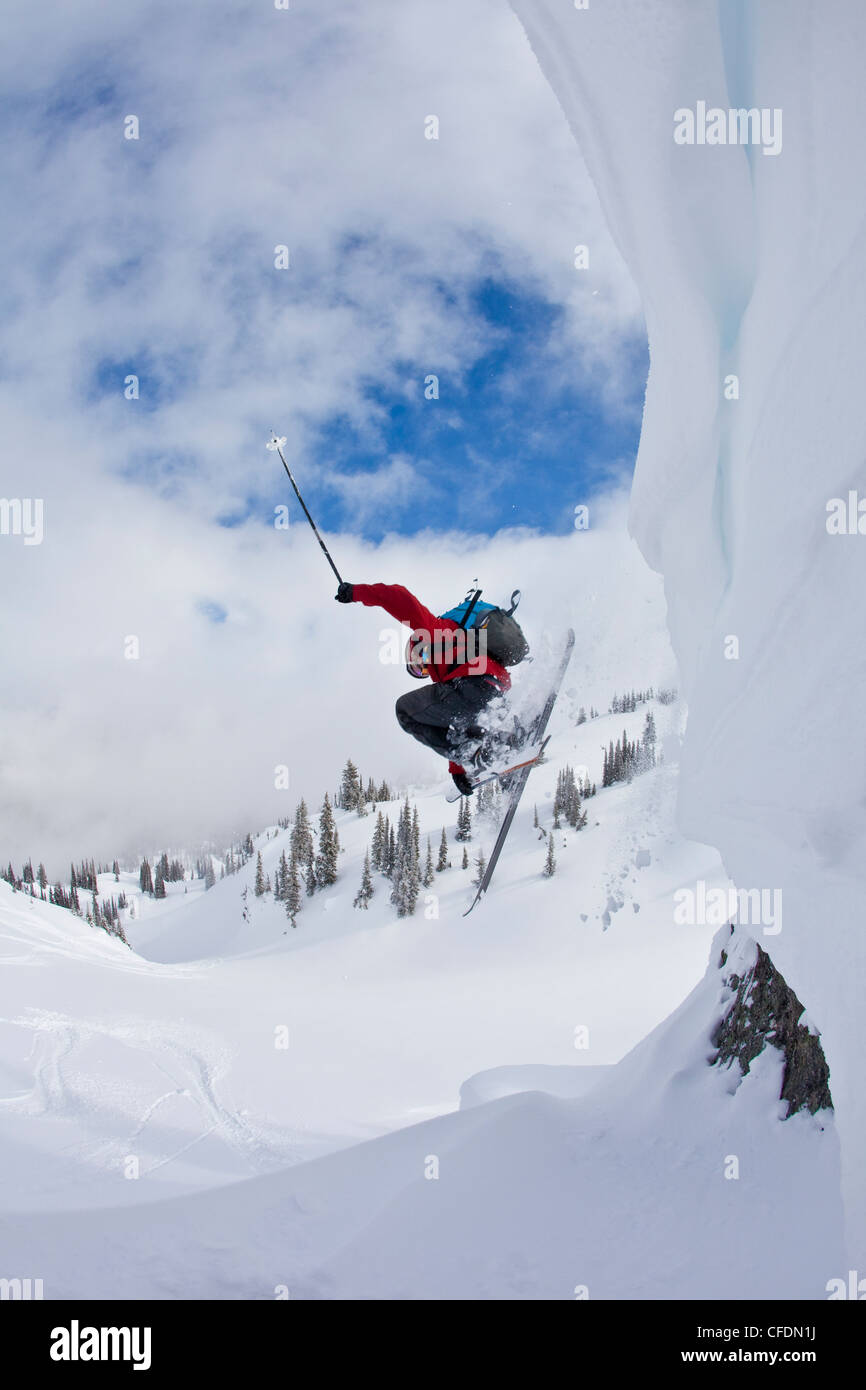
515,442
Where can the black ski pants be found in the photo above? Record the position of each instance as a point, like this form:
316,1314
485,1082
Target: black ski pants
444,716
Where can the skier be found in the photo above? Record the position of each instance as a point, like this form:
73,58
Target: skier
447,717
444,716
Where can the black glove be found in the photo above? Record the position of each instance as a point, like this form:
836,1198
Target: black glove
344,593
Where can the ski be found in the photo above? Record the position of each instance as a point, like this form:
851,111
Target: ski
500,774
517,780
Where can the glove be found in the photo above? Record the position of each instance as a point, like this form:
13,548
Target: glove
344,593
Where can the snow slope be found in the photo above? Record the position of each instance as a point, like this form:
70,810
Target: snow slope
753,265
157,1142
386,1018
522,1197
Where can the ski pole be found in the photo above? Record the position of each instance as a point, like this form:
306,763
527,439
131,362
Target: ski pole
277,444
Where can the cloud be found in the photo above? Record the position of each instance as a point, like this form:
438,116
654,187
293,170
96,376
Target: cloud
156,257
302,128
103,754
393,488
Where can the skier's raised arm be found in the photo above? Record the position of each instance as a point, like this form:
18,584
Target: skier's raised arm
396,601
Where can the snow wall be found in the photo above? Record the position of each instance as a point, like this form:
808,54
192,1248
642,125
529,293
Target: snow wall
749,257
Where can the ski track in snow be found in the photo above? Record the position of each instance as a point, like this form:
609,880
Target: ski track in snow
195,1064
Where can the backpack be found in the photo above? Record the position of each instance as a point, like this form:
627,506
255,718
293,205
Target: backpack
505,640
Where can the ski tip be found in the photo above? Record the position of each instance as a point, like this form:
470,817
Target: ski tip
474,903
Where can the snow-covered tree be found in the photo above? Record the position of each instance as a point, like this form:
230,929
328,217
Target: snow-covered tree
301,838
292,897
406,875
260,877
281,878
567,800
464,821
329,846
428,866
351,793
365,892
480,866
379,844
442,861
550,861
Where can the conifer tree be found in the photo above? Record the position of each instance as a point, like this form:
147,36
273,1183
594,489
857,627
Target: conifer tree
159,885
310,878
145,878
464,821
379,844
442,861
281,878
329,846
209,875
428,866
260,877
550,861
406,878
301,838
465,864
406,875
365,892
649,739
292,899
480,866
351,793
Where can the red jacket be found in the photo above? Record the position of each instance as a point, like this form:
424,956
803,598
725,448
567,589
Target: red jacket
405,607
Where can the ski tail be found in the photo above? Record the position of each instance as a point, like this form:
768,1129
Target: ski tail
517,780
